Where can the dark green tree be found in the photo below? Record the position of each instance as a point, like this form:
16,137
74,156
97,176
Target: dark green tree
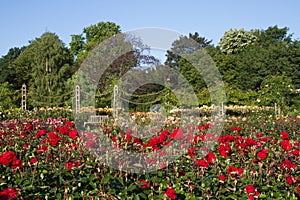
45,66
187,45
7,71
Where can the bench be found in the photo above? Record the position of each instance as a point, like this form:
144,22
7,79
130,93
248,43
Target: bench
96,120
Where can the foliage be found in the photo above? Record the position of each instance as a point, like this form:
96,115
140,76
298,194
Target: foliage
46,64
245,59
82,44
6,96
7,71
235,40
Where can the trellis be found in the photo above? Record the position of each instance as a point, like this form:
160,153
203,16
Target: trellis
23,101
77,99
115,104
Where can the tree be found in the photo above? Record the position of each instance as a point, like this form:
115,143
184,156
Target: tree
273,52
110,60
45,64
277,89
6,96
83,43
273,34
233,41
7,71
185,44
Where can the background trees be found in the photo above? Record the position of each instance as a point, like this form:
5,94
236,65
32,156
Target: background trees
247,60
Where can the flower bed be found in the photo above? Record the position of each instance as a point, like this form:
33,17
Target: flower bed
49,159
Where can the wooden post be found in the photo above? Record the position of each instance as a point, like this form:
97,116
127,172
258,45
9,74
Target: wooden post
24,97
275,106
77,99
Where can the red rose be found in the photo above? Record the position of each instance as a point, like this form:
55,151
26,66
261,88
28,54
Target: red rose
295,152
210,157
259,134
145,184
33,160
7,157
16,163
251,197
170,193
191,152
177,134
63,130
249,189
70,124
232,128
163,136
298,190
42,149
226,138
40,133
287,164
70,165
262,154
73,134
202,163
224,150
154,142
53,139
222,178
137,141
28,127
128,137
232,170
208,125
289,180
284,135
286,145
8,193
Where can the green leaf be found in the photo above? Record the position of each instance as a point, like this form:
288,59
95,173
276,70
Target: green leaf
105,179
58,196
143,195
132,187
136,197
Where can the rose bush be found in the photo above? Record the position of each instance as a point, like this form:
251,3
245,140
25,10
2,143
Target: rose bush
255,157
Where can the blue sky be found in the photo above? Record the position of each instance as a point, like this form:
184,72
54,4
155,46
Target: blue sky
22,21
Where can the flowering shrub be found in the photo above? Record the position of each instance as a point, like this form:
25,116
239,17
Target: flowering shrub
255,157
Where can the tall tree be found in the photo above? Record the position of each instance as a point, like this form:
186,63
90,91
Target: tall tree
82,44
46,62
187,45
